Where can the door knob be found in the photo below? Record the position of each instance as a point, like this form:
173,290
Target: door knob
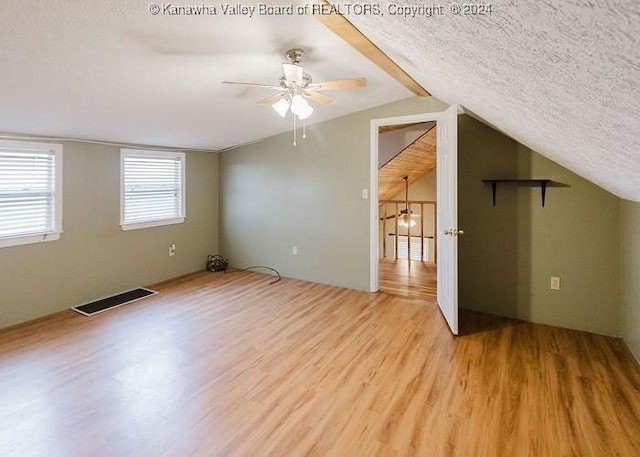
453,232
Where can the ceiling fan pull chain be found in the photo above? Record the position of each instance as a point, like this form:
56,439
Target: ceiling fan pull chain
294,130
304,129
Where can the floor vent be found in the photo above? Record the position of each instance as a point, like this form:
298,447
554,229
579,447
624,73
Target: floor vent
105,304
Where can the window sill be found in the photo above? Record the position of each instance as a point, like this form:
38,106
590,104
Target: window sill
143,225
29,239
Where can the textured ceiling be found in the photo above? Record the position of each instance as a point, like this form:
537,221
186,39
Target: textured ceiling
561,77
111,70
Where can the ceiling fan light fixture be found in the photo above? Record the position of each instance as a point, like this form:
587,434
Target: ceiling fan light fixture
305,111
281,107
299,104
292,73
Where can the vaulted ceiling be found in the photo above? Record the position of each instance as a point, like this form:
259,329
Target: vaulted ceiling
113,70
414,161
559,76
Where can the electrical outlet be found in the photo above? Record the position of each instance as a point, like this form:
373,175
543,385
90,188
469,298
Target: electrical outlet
555,283
294,250
172,250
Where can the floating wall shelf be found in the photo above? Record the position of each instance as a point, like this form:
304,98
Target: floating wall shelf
519,182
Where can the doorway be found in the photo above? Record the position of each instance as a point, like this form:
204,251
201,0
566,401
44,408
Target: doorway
446,233
407,190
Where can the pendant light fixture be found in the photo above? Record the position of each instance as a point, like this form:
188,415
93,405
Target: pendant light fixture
405,219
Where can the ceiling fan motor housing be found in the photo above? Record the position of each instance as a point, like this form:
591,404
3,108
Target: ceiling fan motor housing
306,80
295,55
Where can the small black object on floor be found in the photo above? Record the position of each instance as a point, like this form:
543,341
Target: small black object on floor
217,263
105,304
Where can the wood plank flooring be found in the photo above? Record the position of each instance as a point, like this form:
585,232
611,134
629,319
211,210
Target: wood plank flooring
408,279
228,365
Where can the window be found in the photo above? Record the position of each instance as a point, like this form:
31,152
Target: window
30,192
152,188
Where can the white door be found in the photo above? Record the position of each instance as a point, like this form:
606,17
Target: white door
447,175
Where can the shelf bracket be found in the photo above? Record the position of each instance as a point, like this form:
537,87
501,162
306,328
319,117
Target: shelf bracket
494,189
543,189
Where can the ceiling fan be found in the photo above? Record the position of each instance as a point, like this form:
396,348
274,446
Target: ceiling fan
295,86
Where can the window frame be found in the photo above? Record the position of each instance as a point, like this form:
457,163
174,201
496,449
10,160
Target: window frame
181,156
56,230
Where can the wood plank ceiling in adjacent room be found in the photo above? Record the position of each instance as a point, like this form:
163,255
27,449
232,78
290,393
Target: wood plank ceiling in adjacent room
414,161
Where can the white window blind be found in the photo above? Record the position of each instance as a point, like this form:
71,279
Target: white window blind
30,192
152,188
416,247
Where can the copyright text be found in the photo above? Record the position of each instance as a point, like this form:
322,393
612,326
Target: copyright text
354,8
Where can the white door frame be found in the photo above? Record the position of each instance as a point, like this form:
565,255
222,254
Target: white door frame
373,185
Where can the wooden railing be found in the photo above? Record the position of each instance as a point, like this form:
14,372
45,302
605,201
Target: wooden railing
389,211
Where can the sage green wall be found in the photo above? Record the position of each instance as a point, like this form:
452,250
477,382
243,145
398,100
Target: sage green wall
94,257
630,274
510,251
274,196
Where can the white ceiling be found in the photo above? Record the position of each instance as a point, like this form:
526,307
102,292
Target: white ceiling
561,77
110,70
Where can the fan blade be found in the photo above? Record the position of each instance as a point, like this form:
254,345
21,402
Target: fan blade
272,98
266,86
339,84
292,73
319,98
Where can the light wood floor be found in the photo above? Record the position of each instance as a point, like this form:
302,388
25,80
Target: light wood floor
228,365
408,279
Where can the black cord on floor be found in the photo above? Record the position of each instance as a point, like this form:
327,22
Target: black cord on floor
266,268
